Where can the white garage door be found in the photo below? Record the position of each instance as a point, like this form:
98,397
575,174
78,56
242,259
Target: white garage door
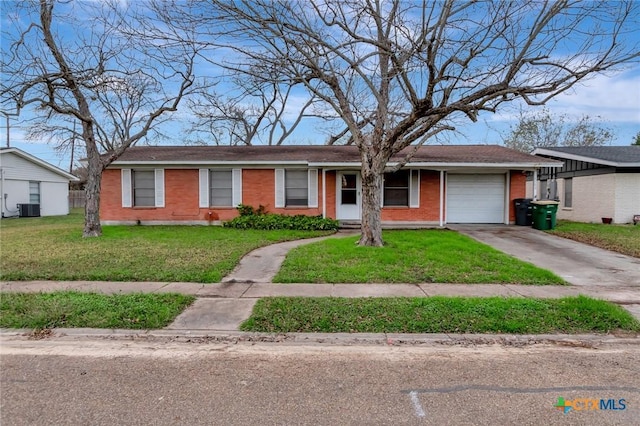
475,198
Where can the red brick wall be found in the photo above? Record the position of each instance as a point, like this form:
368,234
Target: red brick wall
258,187
182,198
429,209
518,190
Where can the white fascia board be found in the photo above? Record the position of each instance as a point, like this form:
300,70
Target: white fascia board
200,164
566,156
439,166
350,165
444,166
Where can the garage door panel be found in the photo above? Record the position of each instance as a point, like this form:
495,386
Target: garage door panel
475,198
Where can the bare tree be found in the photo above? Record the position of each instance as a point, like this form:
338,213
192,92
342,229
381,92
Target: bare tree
252,111
543,129
398,72
259,115
116,69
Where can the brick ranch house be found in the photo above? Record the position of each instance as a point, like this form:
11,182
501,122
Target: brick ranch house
204,184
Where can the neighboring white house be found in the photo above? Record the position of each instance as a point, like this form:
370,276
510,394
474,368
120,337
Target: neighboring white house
32,187
594,183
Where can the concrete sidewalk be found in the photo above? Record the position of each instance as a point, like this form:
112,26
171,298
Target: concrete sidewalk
224,306
245,290
262,264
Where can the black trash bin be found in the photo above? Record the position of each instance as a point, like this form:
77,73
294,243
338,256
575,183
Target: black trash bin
523,211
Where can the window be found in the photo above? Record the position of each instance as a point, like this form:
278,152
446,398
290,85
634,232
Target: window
296,188
144,194
221,188
568,192
34,192
396,188
142,188
349,188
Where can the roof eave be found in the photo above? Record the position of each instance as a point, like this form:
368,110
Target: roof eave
507,165
341,164
205,163
41,163
567,156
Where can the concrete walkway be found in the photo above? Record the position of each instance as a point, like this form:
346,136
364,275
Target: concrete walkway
262,264
223,306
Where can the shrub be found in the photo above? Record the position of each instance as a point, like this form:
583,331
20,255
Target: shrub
261,220
246,210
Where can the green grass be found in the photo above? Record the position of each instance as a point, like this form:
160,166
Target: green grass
438,315
73,309
426,256
623,239
52,248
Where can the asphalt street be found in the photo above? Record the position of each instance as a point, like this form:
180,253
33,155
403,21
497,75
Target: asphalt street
142,380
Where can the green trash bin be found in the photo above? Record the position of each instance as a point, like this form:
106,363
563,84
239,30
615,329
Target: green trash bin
544,214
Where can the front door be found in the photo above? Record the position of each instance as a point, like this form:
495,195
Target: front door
348,188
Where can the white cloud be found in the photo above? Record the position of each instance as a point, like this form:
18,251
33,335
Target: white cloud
614,98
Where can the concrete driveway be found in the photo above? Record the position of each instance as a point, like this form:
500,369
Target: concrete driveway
579,264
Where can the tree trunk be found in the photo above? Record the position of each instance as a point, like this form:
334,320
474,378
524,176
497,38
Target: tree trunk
371,226
92,227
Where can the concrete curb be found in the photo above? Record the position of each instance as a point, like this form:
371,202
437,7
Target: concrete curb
592,341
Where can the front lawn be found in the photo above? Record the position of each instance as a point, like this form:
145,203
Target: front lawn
52,248
73,309
623,239
438,315
424,256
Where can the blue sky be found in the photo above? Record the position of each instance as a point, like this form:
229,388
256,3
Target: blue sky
613,99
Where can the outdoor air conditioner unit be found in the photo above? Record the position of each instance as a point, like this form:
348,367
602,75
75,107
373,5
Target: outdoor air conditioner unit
29,210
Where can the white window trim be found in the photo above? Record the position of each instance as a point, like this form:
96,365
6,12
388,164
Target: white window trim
312,189
204,188
159,187
127,188
279,192
414,188
236,191
127,196
236,188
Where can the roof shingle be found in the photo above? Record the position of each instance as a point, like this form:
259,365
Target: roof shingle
323,154
616,154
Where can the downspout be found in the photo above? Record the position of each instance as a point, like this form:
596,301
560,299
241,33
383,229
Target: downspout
441,198
535,184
